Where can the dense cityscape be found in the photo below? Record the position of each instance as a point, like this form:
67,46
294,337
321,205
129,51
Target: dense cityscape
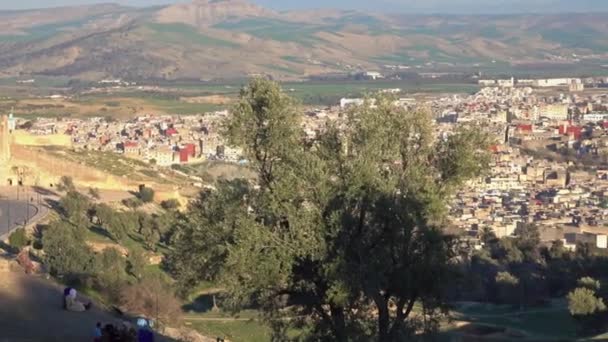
276,171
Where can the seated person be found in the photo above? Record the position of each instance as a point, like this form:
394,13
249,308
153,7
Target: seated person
73,304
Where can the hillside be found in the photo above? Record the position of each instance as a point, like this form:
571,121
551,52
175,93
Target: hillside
208,39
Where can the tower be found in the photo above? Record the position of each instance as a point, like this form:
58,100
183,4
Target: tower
5,147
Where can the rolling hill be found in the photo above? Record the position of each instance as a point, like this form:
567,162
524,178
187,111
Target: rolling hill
207,39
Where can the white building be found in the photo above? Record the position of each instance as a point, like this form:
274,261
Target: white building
487,83
344,103
374,75
553,82
508,83
595,117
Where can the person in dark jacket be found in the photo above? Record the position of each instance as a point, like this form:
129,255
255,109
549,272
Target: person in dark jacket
144,333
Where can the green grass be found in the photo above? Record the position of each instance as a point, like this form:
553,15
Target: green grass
547,323
185,34
236,331
175,106
551,325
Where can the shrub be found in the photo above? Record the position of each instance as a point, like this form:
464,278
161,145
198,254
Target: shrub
170,204
94,192
153,297
136,263
132,203
582,302
146,195
66,183
66,253
19,239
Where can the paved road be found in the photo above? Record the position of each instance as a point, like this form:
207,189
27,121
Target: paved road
14,213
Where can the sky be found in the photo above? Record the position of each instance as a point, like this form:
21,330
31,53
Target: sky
406,6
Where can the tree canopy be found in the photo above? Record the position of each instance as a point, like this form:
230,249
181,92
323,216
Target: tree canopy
336,228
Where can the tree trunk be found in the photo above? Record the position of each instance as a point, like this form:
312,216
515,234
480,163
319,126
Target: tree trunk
339,323
383,319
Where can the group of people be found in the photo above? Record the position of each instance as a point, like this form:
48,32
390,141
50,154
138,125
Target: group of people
124,332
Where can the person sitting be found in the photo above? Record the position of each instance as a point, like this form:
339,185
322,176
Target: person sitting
73,304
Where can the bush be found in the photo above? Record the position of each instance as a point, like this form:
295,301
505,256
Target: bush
170,204
132,203
66,183
136,263
153,297
146,195
19,239
94,192
508,288
583,302
66,253
111,273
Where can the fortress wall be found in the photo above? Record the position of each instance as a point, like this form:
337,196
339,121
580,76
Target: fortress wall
49,169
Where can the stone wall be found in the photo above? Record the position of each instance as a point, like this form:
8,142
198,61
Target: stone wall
46,170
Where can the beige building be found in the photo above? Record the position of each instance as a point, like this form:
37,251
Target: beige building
555,112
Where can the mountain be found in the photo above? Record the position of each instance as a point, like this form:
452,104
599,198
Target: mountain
207,39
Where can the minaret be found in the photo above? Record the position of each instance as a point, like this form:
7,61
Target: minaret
5,147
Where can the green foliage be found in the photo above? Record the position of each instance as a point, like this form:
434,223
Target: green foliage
528,240
508,288
170,204
74,208
133,203
66,184
583,302
506,251
117,224
335,228
146,194
94,193
111,272
136,263
19,239
66,253
589,283
150,234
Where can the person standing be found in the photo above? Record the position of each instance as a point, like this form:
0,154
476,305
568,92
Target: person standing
98,334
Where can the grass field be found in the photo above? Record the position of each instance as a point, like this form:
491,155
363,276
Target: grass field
549,323
237,331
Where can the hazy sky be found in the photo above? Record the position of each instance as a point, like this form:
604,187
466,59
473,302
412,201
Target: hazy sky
411,6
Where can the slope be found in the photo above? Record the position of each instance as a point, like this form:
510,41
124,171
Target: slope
208,39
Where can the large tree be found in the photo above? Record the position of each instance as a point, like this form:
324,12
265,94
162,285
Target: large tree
344,230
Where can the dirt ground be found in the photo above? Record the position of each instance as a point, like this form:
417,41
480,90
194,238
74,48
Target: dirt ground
31,311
